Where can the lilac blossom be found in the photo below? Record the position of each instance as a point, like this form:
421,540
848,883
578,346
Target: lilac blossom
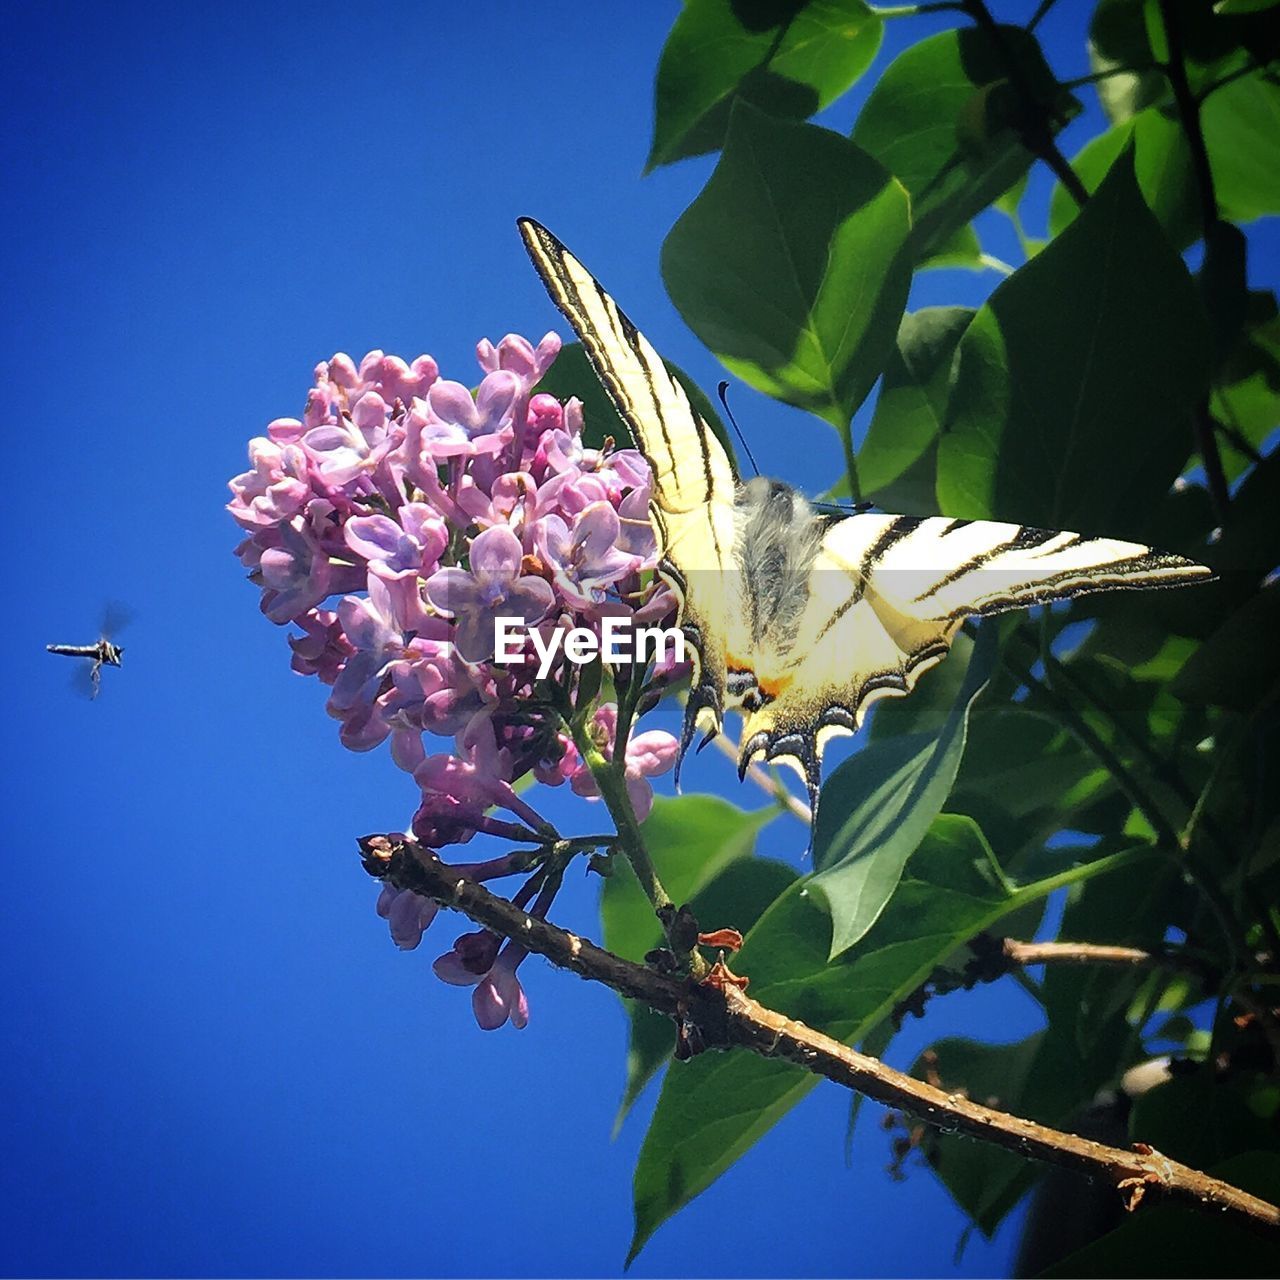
389,526
492,588
649,755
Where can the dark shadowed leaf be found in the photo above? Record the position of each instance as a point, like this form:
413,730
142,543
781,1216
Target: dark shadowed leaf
789,265
1240,659
897,463
1074,382
947,122
1202,1119
790,59
1053,1077
1162,1241
571,375
876,808
1246,398
1118,41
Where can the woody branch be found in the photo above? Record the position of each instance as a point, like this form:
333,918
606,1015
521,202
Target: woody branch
726,1017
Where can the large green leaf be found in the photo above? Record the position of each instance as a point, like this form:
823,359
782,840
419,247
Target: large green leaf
790,264
1162,162
945,120
572,375
713,1108
1075,381
702,848
897,460
789,59
876,808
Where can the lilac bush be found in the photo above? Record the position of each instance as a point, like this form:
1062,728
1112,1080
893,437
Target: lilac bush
391,526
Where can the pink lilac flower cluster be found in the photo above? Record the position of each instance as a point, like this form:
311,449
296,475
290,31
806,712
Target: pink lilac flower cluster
391,526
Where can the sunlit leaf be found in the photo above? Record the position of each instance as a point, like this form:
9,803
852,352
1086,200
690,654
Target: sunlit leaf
1162,162
789,265
1241,123
694,842
789,59
876,808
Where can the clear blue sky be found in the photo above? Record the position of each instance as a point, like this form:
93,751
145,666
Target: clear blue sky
212,1059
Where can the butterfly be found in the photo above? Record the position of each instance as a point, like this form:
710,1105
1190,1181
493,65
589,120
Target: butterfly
797,617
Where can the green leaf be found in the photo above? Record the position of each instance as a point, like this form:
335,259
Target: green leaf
789,59
1241,123
571,375
789,265
876,808
1163,1241
897,461
694,842
1162,161
714,1107
946,122
1020,767
1075,381
1239,661
1246,397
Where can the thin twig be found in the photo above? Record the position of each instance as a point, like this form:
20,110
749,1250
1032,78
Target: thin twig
726,1017
1028,953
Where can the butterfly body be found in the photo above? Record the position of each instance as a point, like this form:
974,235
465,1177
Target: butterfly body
798,617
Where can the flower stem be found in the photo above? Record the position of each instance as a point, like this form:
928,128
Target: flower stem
611,783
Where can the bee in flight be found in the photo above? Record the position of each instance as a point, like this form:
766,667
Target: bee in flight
102,653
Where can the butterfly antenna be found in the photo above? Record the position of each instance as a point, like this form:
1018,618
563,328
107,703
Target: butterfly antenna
722,391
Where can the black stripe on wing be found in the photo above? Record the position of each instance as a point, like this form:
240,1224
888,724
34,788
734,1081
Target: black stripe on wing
1026,539
901,527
